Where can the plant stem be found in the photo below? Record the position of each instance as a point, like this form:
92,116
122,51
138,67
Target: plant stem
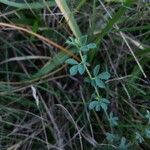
88,72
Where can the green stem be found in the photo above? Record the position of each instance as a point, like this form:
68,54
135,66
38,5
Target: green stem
88,72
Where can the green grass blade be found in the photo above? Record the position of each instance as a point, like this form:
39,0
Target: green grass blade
52,64
34,5
69,17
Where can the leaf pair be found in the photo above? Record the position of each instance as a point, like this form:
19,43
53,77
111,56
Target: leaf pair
97,105
77,67
98,78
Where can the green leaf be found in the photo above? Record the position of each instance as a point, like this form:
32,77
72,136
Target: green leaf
99,83
93,104
83,39
33,5
104,106
98,107
104,75
98,104
71,41
96,70
104,100
111,137
91,46
71,61
104,103
84,58
81,68
123,144
93,83
74,70
138,137
147,116
147,133
84,48
113,120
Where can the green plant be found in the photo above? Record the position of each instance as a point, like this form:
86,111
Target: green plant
97,80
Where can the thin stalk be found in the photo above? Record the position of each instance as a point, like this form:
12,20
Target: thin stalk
88,72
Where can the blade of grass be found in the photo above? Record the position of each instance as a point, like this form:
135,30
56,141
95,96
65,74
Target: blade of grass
102,33
132,29
34,5
69,17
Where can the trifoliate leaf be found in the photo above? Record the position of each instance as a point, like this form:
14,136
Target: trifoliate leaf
99,83
81,68
104,75
74,70
71,61
98,104
96,70
77,42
